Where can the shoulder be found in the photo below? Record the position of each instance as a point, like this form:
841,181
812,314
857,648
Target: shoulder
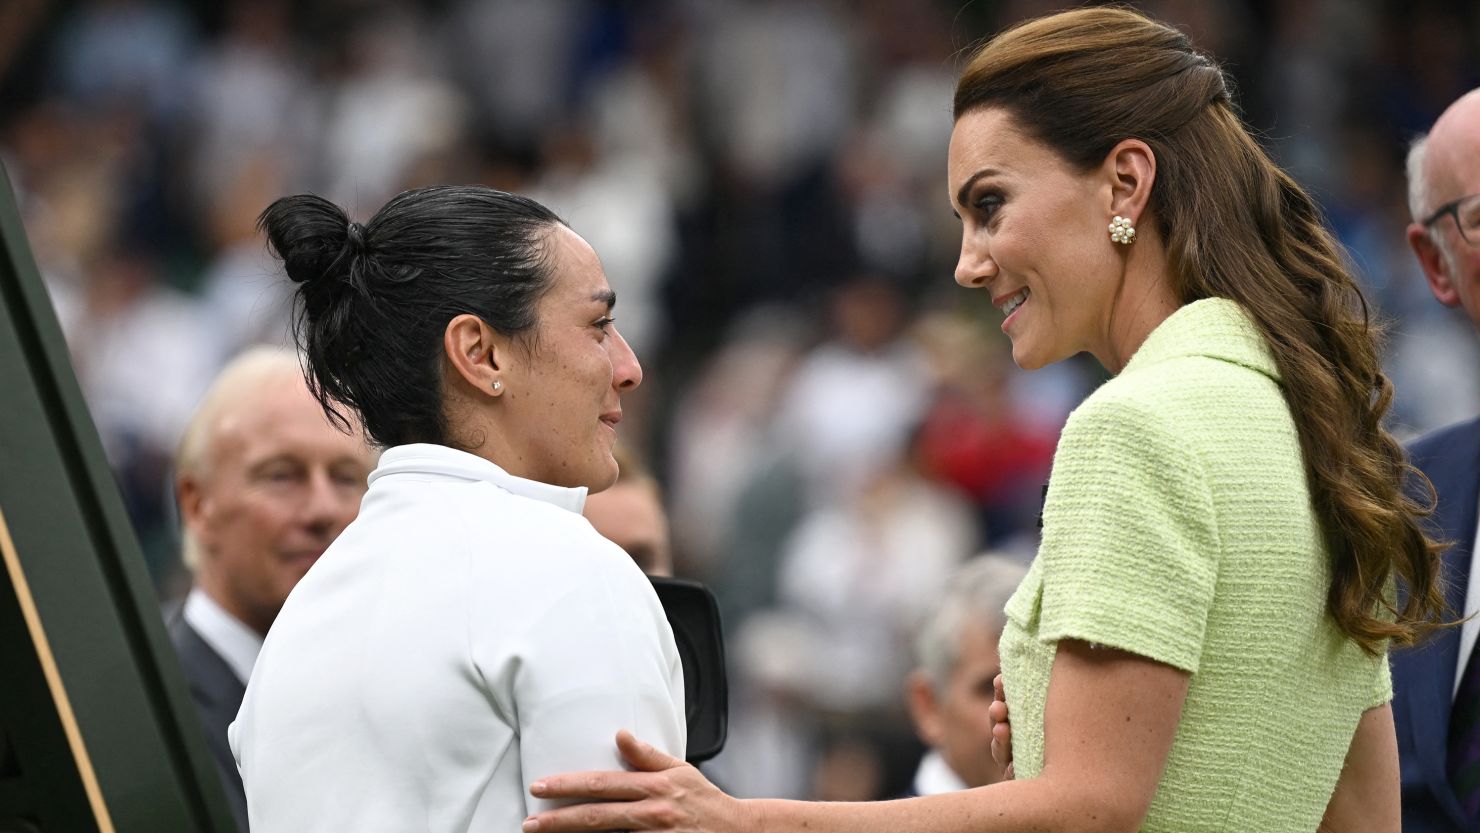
1193,405
1129,410
551,547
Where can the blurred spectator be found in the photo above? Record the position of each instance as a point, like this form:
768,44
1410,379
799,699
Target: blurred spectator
951,686
630,514
265,484
1436,702
126,51
855,398
388,108
722,440
974,437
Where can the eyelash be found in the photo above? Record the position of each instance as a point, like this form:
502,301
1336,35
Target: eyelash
988,203
603,323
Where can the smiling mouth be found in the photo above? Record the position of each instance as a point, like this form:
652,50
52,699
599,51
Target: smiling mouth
1011,304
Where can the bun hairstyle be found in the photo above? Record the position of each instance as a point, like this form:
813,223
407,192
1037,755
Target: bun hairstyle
1238,227
373,301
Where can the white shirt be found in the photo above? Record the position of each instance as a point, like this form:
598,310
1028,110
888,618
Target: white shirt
1471,629
227,635
935,776
466,635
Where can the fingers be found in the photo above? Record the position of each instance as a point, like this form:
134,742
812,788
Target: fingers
644,756
1002,744
588,786
586,817
997,712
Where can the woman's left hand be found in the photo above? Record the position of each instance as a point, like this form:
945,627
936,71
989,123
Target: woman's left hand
665,793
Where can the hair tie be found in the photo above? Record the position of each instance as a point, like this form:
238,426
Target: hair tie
355,236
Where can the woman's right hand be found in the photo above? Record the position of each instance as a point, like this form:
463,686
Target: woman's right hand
663,793
1001,729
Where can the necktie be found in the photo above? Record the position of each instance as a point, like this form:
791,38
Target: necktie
1464,738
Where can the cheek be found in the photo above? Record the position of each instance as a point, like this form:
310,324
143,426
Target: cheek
263,518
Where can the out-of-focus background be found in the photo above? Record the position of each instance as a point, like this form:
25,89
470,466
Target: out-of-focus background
837,425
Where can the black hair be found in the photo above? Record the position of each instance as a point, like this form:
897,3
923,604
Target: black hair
373,301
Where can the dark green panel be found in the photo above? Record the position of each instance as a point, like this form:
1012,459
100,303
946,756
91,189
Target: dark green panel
92,592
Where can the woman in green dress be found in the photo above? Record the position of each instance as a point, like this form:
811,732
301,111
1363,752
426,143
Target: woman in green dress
1201,642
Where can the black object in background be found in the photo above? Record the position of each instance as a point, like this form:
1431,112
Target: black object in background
694,616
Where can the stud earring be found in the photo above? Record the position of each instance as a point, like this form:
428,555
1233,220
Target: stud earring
497,386
1121,230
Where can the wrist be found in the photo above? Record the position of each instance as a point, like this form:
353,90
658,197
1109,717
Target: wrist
754,814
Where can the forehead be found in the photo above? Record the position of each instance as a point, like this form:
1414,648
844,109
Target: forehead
279,416
1453,157
575,269
990,139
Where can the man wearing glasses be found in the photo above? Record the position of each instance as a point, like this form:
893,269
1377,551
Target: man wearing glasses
1437,685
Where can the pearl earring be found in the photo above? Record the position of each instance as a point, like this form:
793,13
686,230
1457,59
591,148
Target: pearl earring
1121,230
497,386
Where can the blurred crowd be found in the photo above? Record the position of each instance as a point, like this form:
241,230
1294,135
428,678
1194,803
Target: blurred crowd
837,425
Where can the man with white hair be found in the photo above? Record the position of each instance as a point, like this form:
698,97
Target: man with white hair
951,688
264,484
1437,686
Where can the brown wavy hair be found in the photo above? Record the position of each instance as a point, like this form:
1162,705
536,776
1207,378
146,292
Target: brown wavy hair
1238,227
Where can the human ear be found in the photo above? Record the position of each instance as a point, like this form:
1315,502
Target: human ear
478,355
191,499
1435,268
1130,169
924,708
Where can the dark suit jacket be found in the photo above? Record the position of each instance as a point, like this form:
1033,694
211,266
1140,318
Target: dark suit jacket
218,697
1423,677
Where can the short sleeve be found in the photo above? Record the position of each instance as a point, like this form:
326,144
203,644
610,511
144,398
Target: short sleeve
596,657
1130,548
1382,689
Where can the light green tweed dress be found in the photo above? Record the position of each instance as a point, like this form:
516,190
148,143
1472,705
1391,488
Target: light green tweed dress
1178,527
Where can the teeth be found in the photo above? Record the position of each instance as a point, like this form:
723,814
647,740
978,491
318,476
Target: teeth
1014,302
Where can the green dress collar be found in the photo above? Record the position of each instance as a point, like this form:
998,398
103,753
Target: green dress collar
1214,328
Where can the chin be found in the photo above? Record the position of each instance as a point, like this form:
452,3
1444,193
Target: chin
604,477
1027,359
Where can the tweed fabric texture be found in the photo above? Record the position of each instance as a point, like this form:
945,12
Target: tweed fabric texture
1178,526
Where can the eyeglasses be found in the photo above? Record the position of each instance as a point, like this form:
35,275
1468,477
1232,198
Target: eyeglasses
1466,212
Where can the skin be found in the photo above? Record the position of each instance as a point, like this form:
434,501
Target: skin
955,721
631,516
1109,724
1452,170
1368,793
1028,219
553,417
277,485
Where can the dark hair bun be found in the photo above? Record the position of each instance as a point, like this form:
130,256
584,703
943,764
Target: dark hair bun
312,236
373,301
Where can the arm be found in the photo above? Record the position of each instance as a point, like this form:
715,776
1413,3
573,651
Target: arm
1367,793
590,657
1109,725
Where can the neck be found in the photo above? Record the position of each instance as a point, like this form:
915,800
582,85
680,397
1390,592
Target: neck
1144,301
216,589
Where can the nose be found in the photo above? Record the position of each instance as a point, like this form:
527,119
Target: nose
626,371
975,268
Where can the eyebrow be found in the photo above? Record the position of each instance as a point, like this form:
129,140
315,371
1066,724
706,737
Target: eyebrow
970,181
607,297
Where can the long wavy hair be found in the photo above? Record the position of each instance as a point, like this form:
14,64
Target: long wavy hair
1238,227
